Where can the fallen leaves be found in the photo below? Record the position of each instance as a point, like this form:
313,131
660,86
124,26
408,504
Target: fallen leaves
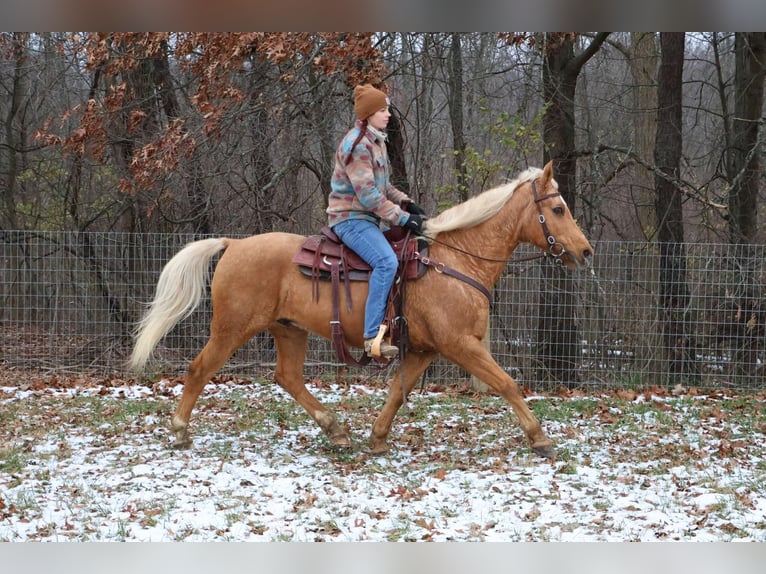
404,494
727,448
92,464
627,395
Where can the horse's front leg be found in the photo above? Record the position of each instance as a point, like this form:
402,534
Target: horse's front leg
470,354
413,366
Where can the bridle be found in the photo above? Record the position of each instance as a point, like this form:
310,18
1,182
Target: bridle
555,250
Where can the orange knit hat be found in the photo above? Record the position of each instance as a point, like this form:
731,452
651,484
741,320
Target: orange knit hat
368,100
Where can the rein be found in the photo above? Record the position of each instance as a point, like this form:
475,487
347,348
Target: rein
492,259
555,249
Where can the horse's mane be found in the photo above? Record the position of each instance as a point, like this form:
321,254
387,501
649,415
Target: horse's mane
479,208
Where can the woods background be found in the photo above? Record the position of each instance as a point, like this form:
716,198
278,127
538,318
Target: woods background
115,149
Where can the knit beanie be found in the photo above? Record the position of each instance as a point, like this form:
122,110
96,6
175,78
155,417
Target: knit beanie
368,100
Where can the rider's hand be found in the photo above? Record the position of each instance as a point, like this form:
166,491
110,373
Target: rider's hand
414,208
414,223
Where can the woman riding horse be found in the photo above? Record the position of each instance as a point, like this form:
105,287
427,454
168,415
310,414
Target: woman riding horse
256,287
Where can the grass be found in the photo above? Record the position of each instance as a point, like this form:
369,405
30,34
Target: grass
426,416
12,460
438,434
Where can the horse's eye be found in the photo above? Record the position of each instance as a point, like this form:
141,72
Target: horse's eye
558,210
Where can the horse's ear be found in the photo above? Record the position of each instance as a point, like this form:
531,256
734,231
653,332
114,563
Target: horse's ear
547,173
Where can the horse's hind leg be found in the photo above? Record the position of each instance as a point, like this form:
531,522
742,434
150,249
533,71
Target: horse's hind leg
212,357
413,366
291,352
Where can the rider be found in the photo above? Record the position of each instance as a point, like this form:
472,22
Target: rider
362,198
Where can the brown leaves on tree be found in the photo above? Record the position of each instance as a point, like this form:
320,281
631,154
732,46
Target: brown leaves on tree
552,39
134,115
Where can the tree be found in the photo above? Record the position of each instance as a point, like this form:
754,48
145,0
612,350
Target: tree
643,67
165,133
744,172
743,158
455,100
558,342
16,46
675,316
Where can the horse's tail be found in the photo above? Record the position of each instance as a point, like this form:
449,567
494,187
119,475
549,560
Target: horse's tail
179,290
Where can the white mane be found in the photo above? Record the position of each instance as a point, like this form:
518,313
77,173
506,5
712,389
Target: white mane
478,208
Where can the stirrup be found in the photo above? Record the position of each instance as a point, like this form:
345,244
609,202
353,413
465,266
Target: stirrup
378,348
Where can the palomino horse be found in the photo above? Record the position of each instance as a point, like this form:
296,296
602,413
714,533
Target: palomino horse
255,287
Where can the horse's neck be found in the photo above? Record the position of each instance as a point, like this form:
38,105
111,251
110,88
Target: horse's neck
482,250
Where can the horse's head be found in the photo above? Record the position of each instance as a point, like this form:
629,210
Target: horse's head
553,227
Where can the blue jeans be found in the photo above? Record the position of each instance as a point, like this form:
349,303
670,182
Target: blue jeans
368,241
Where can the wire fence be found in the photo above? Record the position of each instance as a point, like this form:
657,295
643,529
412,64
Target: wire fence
638,318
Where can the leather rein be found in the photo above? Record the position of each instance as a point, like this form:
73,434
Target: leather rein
555,250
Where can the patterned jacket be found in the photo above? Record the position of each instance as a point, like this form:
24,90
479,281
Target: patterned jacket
361,188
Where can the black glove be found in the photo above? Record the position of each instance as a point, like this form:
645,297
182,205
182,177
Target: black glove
412,207
414,223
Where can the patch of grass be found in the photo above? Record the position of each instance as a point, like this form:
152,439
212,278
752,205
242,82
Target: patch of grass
222,449
184,532
340,455
567,467
13,460
554,410
121,531
402,531
538,534
632,381
645,408
9,413
232,518
23,501
278,411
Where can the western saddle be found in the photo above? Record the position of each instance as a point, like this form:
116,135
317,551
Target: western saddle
324,257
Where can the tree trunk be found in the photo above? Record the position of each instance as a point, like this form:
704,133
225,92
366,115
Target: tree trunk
396,153
198,196
744,172
743,160
422,151
9,152
644,56
558,340
455,100
675,318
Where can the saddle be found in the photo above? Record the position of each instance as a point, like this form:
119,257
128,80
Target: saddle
324,257
319,253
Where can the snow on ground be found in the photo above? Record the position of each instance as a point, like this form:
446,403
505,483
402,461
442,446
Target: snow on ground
464,476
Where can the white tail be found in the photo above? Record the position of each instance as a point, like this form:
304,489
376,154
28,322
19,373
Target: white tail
179,290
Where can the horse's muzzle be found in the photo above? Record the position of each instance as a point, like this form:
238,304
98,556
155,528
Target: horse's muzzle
576,260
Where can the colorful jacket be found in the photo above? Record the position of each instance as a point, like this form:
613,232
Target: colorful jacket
361,188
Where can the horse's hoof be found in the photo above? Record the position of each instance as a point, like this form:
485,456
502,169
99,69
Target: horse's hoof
379,449
379,453
339,437
545,451
182,443
341,443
